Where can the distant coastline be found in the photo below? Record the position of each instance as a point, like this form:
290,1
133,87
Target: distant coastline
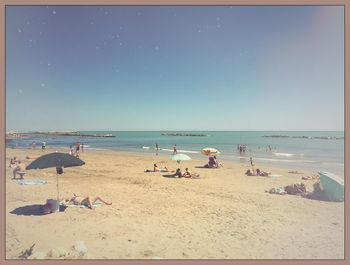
186,134
19,135
306,137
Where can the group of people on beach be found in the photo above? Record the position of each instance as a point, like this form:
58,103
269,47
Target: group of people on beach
176,173
242,148
78,146
213,163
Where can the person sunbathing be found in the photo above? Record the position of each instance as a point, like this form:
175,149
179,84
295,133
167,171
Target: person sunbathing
188,174
157,169
87,201
261,173
250,173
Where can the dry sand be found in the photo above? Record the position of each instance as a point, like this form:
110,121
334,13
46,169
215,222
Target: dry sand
222,215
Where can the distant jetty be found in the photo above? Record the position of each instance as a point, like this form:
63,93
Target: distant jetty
19,135
306,137
185,134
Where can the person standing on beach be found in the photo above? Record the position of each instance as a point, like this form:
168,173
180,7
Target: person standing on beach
77,148
157,148
43,146
251,161
175,149
71,150
82,147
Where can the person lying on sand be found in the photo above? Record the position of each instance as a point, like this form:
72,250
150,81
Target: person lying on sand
188,174
177,174
261,173
258,172
295,172
31,157
250,173
157,169
87,201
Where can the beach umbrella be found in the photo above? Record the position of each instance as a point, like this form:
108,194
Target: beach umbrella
57,160
209,151
180,157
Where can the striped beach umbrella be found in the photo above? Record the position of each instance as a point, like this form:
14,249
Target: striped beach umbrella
209,151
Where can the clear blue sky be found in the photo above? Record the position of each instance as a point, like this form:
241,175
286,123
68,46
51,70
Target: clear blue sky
174,68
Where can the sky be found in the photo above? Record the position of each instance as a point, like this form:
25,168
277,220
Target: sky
174,68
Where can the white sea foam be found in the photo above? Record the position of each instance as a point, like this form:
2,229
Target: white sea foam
284,154
284,160
181,151
146,147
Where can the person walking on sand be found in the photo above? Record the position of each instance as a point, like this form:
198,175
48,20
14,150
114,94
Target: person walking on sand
43,146
251,161
175,149
82,147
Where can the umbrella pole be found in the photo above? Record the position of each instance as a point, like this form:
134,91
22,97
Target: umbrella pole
58,194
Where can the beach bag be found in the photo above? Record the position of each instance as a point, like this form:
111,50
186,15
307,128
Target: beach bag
59,170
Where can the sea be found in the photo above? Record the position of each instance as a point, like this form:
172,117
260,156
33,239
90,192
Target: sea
295,150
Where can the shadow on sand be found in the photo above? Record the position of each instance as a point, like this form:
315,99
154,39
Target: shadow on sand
34,209
171,176
319,196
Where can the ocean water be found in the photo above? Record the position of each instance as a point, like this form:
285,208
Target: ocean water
292,153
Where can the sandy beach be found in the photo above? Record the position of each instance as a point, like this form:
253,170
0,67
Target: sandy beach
222,215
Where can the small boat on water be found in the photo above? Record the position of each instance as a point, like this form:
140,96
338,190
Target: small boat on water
332,185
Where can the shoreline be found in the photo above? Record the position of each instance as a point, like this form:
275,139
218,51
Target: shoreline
260,162
223,214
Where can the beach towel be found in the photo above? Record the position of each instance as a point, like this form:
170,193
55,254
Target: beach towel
30,181
279,191
96,204
274,175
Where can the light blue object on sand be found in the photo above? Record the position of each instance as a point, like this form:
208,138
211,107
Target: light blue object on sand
30,181
180,157
332,185
96,204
